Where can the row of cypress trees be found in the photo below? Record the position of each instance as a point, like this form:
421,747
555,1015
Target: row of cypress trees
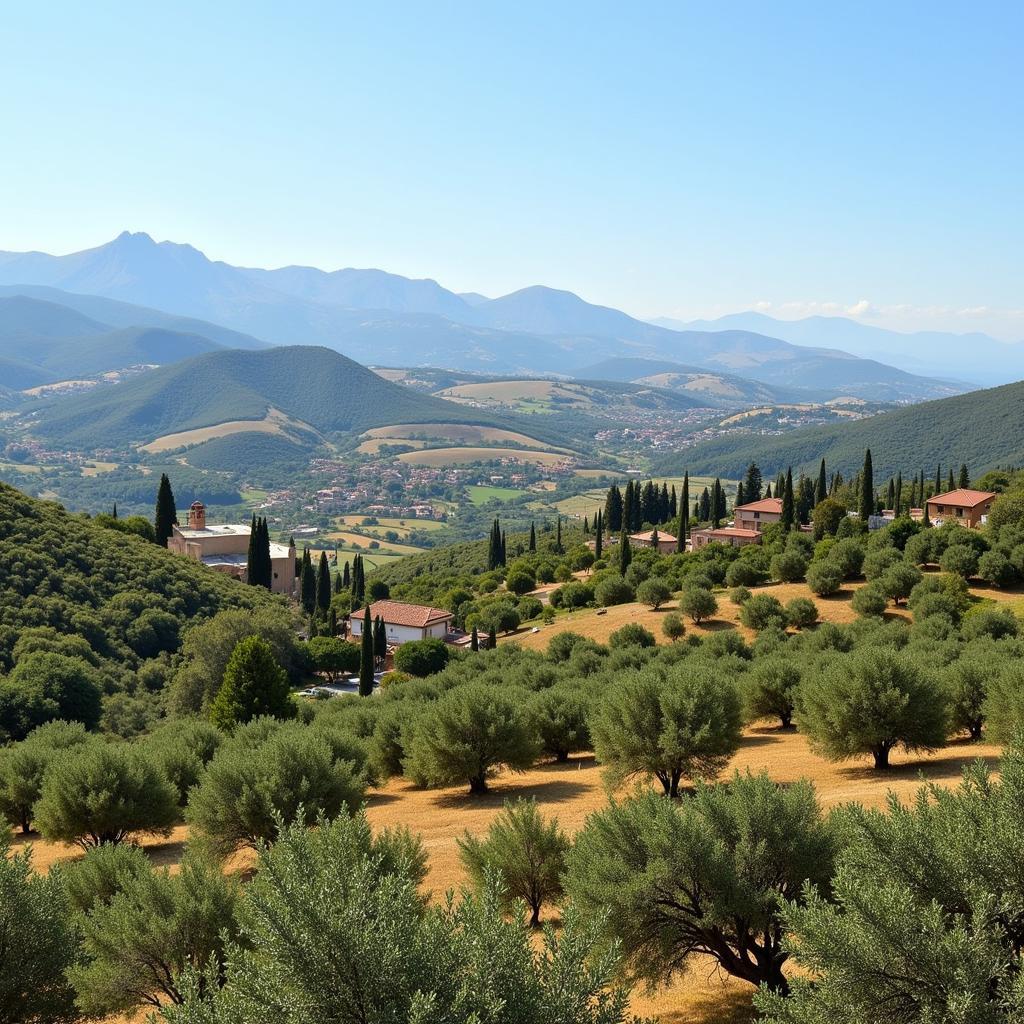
637,505
259,568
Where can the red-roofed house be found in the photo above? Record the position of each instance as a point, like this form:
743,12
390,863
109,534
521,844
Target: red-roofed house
967,507
755,514
733,536
664,542
404,622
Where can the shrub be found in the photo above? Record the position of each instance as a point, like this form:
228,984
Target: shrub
869,703
526,852
848,556
899,580
960,559
966,682
742,573
824,578
801,613
421,657
561,645
739,595
520,581
333,656
881,561
98,793
685,725
995,568
529,608
613,590
789,566
1003,709
44,686
653,592
870,600
577,594
762,611
994,622
102,874
632,634
468,734
672,626
698,603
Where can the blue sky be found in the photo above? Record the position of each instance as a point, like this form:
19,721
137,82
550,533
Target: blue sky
671,159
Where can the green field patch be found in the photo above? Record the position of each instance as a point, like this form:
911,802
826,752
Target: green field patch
480,494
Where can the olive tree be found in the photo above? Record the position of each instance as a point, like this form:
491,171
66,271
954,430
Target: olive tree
870,702
698,603
682,724
653,592
560,718
525,851
708,876
469,733
771,688
104,793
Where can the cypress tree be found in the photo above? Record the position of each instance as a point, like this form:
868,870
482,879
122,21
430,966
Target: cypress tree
252,569
337,583
804,499
492,638
307,584
938,479
504,538
346,578
705,506
474,640
740,497
598,536
625,553
586,525
380,640
627,507
898,493
332,622
788,508
890,494
166,514
263,552
323,584
821,491
867,488
752,483
113,514
964,481
950,482
366,657
613,509
558,534
673,504
533,536
913,493
684,513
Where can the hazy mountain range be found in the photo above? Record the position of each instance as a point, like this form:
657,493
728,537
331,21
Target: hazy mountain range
975,356
382,318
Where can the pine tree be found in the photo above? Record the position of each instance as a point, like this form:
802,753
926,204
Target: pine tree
366,657
166,514
253,685
867,488
323,584
964,481
598,535
788,507
474,640
533,536
625,554
821,491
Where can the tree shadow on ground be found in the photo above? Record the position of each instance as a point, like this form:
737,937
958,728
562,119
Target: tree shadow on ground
727,1006
505,788
944,767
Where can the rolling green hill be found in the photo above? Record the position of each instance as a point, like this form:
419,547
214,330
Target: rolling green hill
308,387
982,428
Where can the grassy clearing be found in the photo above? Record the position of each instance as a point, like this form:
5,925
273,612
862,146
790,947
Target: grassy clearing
98,468
480,494
20,467
357,542
462,456
586,503
466,433
275,422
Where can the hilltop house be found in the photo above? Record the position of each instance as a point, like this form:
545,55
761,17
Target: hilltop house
665,543
404,622
731,536
225,548
968,508
755,514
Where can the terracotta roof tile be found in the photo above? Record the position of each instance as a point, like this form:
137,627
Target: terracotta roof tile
398,613
963,496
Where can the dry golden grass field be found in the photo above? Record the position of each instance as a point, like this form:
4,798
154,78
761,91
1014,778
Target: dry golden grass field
275,422
465,432
458,456
574,790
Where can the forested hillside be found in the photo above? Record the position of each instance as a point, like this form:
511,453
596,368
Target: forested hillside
985,429
312,385
91,607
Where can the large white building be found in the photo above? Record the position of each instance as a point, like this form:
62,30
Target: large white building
404,622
